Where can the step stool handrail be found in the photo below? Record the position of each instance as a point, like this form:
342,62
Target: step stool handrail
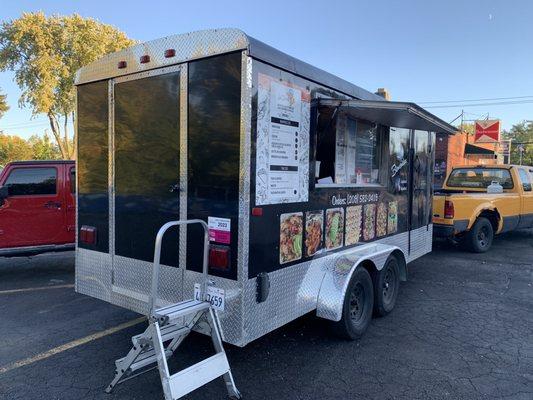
157,257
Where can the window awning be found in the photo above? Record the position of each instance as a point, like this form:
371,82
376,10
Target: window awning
471,149
392,113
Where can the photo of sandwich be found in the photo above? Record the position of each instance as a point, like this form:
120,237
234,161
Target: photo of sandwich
354,221
381,220
369,221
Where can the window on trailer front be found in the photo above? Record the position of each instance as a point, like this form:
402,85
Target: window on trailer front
349,151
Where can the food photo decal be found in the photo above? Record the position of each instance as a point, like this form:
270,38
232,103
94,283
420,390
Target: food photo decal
353,224
314,222
290,237
334,228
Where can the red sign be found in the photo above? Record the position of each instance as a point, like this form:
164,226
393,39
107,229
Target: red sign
487,131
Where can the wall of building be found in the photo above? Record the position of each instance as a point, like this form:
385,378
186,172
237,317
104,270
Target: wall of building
450,152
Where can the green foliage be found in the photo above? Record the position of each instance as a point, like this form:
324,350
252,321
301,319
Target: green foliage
521,133
14,148
468,128
3,104
43,148
45,53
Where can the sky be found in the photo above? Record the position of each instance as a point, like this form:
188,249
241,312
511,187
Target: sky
420,50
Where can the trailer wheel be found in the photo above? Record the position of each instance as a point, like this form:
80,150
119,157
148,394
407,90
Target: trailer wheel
387,286
357,307
479,238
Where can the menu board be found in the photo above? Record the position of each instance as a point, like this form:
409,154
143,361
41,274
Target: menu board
283,116
345,146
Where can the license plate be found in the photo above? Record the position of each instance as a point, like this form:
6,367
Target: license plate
215,296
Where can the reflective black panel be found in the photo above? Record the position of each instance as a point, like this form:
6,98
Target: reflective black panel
213,146
93,197
421,179
399,144
146,166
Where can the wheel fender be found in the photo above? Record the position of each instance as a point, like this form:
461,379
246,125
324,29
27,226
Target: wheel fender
479,209
339,272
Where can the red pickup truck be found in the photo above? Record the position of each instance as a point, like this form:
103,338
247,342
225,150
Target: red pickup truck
37,207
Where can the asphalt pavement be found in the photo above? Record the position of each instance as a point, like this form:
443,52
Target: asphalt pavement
462,329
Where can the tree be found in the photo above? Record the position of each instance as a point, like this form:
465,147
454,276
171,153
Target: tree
45,52
3,104
13,148
43,149
521,133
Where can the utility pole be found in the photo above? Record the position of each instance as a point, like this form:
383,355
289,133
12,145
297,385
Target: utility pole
521,151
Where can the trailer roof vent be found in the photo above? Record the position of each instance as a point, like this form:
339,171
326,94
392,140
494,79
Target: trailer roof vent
170,53
144,59
122,64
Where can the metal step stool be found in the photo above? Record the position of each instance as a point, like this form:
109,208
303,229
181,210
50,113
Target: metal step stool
171,325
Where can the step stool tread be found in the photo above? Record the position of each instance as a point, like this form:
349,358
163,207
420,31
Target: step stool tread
152,358
164,330
197,375
181,304
181,310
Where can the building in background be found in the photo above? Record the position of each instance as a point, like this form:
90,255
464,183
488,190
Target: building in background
480,147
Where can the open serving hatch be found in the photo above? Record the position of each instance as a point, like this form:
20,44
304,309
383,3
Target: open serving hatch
391,113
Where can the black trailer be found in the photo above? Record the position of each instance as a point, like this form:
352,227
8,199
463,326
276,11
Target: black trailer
316,193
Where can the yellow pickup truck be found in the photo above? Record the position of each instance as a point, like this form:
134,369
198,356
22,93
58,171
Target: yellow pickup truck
478,202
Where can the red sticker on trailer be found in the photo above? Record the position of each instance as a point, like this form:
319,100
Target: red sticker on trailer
219,230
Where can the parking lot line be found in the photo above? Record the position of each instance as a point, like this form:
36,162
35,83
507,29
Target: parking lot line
36,288
70,345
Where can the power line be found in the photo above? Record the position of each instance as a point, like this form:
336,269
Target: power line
474,100
24,125
502,103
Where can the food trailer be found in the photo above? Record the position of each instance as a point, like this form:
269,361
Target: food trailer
312,194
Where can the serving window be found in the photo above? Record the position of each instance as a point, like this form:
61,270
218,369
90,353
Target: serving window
349,152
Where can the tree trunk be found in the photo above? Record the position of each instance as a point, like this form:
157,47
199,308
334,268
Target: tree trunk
65,127
75,138
57,135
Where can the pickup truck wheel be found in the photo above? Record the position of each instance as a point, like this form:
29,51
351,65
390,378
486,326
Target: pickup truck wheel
479,238
357,306
387,286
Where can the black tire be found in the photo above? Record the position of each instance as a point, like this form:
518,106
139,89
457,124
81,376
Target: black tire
480,237
357,306
386,287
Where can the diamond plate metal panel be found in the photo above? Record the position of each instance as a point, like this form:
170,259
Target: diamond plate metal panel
294,291
231,320
187,46
339,273
93,274
183,176
111,167
245,167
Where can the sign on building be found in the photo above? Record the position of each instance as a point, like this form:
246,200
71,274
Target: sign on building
505,150
487,131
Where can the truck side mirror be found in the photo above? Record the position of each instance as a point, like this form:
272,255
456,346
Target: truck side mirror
4,194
